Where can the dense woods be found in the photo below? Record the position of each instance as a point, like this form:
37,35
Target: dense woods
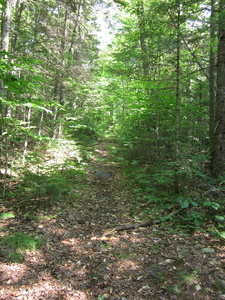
158,88
112,149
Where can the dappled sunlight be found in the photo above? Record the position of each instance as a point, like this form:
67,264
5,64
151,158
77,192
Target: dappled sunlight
112,161
11,274
72,242
76,270
35,258
65,149
136,238
58,231
63,154
111,239
102,153
45,288
76,245
125,265
92,250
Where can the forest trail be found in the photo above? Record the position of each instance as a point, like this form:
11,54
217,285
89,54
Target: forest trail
84,259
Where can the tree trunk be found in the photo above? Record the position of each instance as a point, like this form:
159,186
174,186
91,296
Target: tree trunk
27,120
142,38
5,31
212,79
219,131
6,18
5,34
177,124
19,7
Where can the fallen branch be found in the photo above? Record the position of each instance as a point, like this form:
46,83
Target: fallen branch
135,226
143,224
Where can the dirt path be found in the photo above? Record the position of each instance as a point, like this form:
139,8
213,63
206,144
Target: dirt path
81,260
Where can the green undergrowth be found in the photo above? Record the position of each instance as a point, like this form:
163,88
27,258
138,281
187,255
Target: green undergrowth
15,246
40,191
196,203
58,175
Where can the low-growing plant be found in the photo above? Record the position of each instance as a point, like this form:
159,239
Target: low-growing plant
5,216
40,190
14,257
17,244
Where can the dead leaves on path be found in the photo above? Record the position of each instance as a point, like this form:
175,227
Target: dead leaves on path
85,257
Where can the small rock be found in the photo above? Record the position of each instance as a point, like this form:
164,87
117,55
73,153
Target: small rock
103,174
208,250
152,270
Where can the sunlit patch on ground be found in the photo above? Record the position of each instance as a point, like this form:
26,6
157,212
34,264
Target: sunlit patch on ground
126,265
85,258
71,242
35,258
11,274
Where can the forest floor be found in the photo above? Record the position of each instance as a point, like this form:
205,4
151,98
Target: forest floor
85,258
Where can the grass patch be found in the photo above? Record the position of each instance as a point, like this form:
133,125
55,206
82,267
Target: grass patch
16,245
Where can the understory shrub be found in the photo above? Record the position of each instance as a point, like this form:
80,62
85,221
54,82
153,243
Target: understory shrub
44,190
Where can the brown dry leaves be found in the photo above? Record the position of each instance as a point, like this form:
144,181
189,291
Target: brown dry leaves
85,259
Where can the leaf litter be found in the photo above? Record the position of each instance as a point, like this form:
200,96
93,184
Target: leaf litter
84,257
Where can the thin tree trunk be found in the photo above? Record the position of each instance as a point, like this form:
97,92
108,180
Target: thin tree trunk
19,7
219,131
5,34
6,161
40,123
27,119
76,30
212,79
59,91
142,38
177,125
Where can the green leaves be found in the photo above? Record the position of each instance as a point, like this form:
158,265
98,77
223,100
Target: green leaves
211,204
5,216
185,203
222,234
2,4
219,218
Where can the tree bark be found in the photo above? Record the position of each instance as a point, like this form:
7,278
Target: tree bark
212,79
5,31
219,131
5,36
142,38
177,124
6,18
